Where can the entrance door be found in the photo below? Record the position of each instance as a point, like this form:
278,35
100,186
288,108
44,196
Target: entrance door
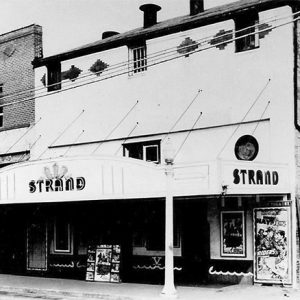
195,242
37,246
12,239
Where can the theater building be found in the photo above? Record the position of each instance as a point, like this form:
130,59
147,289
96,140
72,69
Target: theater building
216,93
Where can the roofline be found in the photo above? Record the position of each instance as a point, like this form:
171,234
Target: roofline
21,28
209,16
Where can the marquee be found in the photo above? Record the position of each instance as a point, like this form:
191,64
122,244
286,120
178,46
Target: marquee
103,178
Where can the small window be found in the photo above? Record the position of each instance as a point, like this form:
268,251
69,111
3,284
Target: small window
246,28
62,239
137,59
1,116
148,151
54,77
1,107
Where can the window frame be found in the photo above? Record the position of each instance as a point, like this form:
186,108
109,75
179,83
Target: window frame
142,248
145,152
142,146
1,117
70,249
137,58
244,25
54,76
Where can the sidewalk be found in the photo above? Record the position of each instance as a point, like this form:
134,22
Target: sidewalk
39,287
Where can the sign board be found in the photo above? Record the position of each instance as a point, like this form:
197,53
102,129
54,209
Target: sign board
259,178
88,178
80,179
272,246
103,263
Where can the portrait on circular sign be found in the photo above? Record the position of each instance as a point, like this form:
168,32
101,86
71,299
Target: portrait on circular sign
246,148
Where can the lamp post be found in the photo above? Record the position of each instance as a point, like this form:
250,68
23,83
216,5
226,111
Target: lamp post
169,289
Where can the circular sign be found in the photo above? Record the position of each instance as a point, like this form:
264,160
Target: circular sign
246,148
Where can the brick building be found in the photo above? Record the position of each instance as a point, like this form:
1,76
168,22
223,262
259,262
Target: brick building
18,49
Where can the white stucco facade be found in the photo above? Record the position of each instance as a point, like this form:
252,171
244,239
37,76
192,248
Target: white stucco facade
230,83
202,102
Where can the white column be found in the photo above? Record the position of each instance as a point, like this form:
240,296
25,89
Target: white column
169,289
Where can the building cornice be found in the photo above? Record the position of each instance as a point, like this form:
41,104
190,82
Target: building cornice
171,26
21,32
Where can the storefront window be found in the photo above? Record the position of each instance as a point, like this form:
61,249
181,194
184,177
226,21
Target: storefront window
63,239
139,239
154,242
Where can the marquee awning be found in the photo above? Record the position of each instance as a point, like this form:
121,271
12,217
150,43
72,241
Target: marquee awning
102,178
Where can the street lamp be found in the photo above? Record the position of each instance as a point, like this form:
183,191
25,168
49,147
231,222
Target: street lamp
169,289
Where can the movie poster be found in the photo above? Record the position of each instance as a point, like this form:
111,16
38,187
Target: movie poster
103,263
233,233
115,267
90,266
272,251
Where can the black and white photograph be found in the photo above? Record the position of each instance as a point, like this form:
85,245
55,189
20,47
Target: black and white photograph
150,149
115,277
115,268
233,233
103,256
90,276
91,256
102,272
90,267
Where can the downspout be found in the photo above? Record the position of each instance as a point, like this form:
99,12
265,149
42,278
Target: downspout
295,203
296,52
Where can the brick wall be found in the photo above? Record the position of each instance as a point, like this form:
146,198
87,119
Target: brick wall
18,49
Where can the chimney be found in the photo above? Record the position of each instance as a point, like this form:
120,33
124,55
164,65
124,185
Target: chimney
150,14
196,6
107,34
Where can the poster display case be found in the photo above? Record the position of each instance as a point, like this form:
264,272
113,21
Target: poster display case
272,245
103,263
233,234
90,265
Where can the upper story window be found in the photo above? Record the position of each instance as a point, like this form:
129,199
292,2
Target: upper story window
148,151
1,116
54,76
246,27
137,58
